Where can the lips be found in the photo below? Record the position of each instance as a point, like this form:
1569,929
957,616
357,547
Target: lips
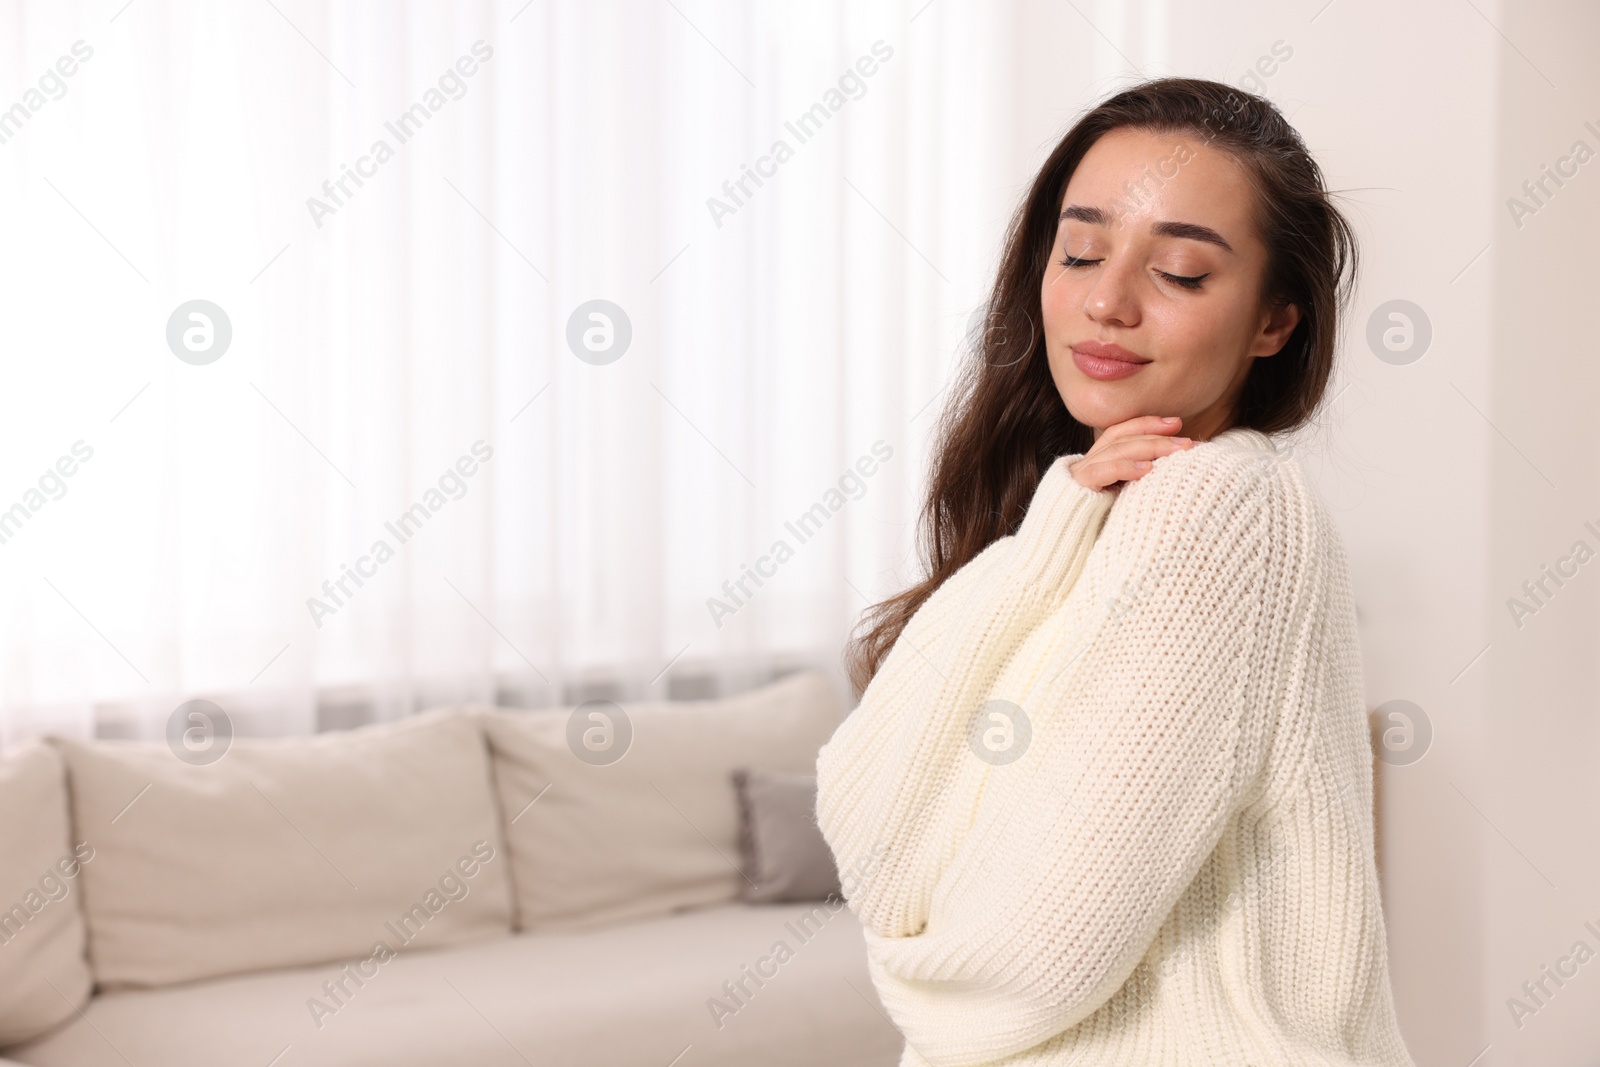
1106,362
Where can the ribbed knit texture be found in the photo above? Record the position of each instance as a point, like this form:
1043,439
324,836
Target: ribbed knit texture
1178,870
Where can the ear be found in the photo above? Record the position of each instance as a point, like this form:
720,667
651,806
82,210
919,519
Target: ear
1276,330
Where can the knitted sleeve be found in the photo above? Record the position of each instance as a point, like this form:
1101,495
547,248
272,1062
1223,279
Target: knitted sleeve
911,715
1044,902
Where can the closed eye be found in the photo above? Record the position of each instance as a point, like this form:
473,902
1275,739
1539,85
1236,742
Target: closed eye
1176,279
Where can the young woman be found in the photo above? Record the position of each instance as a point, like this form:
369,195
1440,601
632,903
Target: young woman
1107,797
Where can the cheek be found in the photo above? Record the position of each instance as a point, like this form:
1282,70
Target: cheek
1057,301
1194,334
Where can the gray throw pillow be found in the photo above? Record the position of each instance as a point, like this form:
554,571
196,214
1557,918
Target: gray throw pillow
784,855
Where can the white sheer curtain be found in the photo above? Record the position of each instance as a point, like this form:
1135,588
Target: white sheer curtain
782,344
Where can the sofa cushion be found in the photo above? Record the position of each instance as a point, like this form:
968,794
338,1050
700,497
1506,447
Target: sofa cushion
287,851
783,852
44,977
637,993
649,824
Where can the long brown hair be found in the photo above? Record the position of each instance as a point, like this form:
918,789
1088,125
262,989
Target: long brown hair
1004,422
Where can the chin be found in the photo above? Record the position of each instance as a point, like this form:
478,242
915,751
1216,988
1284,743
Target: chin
1093,408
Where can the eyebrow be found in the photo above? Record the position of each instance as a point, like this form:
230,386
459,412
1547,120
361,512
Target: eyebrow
1192,231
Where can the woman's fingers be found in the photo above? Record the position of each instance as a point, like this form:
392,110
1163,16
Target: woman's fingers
1125,451
1131,438
1141,425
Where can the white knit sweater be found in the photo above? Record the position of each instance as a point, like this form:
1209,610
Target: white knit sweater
1177,869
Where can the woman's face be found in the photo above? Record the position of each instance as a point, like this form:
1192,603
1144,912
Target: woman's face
1124,333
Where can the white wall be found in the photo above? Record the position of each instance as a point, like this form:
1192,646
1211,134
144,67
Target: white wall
1534,775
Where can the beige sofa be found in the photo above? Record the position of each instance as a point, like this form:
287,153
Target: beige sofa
467,886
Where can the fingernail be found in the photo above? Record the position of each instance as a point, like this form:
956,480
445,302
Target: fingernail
1182,441
1142,465
1170,418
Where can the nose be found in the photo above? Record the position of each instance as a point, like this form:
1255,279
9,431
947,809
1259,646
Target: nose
1112,298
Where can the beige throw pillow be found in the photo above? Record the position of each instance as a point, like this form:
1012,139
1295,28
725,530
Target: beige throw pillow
44,977
287,852
596,839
